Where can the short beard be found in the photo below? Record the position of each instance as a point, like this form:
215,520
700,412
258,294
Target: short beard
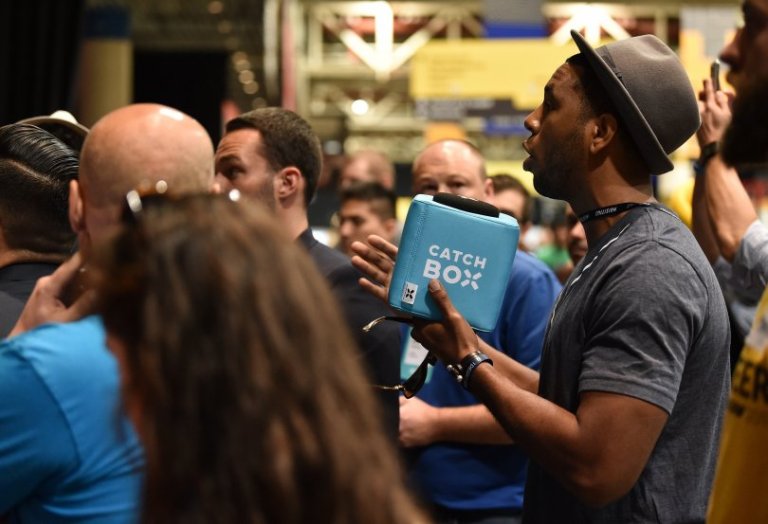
745,143
559,169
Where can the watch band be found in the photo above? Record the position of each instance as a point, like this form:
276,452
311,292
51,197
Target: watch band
462,371
708,152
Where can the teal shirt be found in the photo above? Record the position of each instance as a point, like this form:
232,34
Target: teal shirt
67,453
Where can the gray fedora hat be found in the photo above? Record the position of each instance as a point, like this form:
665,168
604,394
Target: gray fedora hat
651,92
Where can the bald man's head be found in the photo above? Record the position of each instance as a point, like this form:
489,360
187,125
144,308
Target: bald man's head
135,146
451,166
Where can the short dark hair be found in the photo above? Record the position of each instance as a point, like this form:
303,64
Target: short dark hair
288,140
598,101
595,95
35,171
381,199
504,182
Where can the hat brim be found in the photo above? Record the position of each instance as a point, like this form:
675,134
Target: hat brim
71,133
643,136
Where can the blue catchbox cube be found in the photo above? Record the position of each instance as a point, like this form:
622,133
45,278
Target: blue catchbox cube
466,244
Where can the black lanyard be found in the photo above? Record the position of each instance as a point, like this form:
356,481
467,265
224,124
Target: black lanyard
610,211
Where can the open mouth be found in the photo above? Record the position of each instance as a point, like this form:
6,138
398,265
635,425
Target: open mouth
526,147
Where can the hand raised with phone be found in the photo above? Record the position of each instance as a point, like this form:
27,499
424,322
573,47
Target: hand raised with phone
714,107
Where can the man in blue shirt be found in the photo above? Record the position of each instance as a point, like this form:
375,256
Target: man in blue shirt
463,462
67,451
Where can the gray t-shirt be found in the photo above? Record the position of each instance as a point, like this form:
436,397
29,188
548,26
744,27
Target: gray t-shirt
642,315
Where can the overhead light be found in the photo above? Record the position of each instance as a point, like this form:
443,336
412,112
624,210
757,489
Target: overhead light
360,106
215,7
243,64
251,88
246,76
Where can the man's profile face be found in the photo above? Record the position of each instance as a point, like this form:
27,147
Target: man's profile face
240,164
450,167
745,143
556,146
747,54
357,220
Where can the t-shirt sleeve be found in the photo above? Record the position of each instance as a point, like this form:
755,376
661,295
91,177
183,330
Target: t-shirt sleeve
750,264
36,445
640,325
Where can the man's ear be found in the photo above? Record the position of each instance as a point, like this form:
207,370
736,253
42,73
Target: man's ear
76,211
602,130
488,189
287,182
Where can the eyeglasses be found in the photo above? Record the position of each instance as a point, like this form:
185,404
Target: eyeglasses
418,378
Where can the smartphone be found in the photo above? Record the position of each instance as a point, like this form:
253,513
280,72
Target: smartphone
714,74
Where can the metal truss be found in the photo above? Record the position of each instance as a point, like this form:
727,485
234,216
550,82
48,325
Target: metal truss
357,53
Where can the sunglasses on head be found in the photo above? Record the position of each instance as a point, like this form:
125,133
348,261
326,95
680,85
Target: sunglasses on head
149,194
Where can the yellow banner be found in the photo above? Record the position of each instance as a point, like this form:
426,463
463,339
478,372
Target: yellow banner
495,69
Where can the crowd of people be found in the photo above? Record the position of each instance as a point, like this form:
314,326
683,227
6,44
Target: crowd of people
179,347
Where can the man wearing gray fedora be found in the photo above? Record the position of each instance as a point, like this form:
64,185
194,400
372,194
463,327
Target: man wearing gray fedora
623,420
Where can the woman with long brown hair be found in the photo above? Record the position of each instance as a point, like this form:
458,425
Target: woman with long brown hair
240,375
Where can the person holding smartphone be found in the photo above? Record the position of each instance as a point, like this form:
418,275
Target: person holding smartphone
732,134
741,480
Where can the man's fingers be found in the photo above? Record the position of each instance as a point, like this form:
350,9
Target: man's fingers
388,248
724,99
374,289
440,296
63,275
378,270
369,270
381,259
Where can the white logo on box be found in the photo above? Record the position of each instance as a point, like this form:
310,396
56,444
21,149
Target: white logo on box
450,271
409,292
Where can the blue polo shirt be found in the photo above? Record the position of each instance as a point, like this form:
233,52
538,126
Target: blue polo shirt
67,453
487,477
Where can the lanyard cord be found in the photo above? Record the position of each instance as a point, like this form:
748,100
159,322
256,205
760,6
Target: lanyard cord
610,211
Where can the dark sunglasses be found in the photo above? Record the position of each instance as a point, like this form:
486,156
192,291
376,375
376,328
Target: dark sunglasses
418,378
